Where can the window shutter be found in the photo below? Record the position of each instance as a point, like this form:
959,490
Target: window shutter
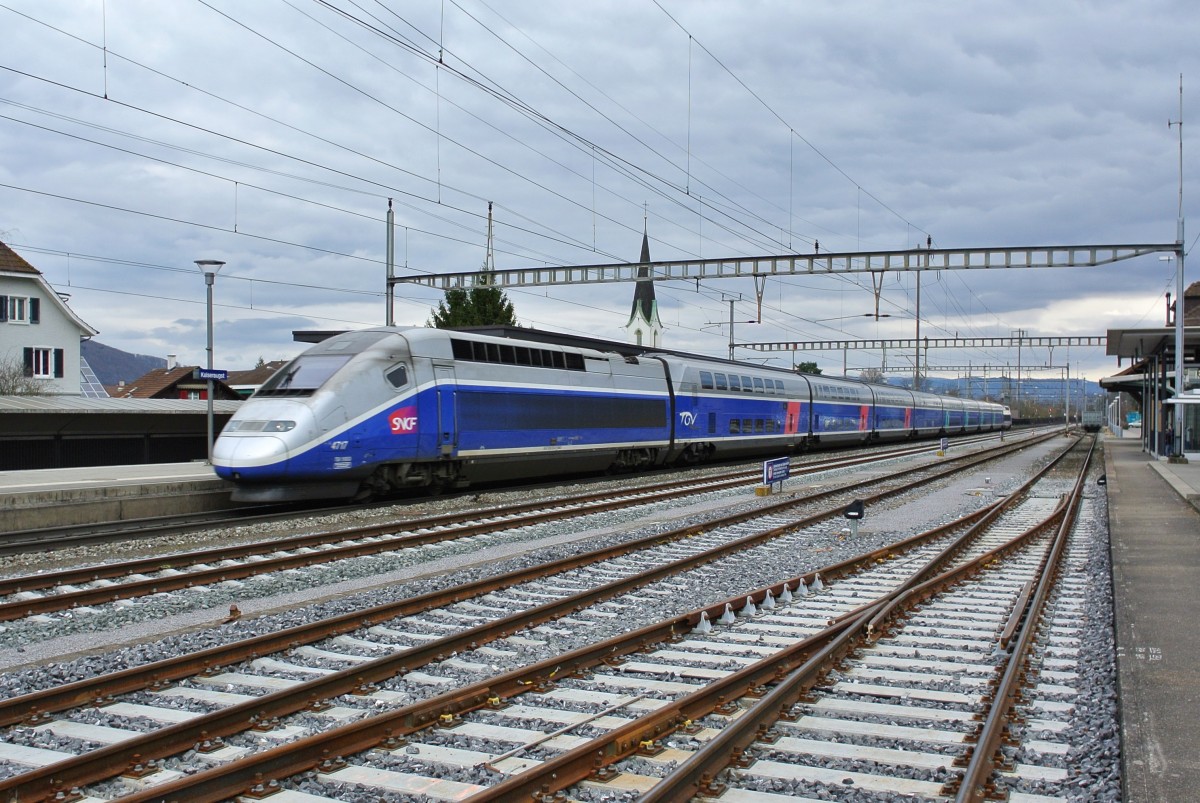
28,362
3,308
58,363
35,310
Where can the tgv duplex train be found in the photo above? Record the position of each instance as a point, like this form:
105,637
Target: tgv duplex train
376,410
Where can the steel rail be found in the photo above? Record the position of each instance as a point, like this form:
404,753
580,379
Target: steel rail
326,750
503,517
464,524
38,704
43,783
698,774
978,779
290,759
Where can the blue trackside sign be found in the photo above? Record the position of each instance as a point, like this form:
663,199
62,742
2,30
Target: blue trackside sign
776,470
212,373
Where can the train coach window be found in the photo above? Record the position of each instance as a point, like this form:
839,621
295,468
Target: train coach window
758,385
734,383
747,385
735,426
747,425
720,379
511,354
706,380
398,376
759,425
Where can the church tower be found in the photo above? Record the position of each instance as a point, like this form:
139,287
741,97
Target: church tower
644,327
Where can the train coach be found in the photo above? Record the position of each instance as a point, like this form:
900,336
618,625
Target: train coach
377,410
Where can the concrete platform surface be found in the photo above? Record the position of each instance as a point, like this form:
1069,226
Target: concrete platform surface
103,476
62,497
1184,478
1155,533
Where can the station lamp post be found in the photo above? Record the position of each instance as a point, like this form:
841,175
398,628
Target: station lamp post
210,268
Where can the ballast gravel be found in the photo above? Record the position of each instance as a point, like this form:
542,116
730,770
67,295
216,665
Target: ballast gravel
441,568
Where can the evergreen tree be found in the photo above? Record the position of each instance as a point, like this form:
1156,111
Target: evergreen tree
482,305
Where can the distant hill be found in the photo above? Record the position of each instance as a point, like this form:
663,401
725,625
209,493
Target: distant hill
113,365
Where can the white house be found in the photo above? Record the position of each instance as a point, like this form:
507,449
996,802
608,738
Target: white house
37,329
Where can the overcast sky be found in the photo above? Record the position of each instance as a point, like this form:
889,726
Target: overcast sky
137,136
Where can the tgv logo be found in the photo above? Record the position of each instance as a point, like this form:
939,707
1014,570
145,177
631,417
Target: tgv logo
687,418
403,420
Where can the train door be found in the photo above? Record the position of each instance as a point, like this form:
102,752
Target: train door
447,429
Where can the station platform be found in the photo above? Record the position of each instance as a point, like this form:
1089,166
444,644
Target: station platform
1154,523
62,497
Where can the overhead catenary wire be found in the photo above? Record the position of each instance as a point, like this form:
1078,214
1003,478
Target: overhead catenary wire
711,230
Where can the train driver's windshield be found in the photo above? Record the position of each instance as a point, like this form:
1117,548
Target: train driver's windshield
303,375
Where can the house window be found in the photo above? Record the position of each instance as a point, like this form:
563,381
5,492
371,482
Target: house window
18,309
43,363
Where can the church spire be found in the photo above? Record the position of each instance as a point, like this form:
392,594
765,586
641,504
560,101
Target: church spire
644,327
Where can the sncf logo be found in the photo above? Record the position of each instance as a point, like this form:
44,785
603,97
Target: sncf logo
403,420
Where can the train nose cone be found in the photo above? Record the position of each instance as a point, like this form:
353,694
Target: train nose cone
247,456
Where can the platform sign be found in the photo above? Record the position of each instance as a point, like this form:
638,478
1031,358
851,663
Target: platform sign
776,470
212,373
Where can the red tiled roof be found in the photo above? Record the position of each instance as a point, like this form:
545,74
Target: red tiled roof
257,375
158,383
12,262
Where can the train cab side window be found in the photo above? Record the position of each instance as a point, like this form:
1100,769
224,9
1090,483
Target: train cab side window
720,378
706,380
398,376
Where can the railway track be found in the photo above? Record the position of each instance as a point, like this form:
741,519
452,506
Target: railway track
48,592
268,687
17,542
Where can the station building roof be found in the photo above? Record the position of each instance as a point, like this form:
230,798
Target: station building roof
81,417
84,405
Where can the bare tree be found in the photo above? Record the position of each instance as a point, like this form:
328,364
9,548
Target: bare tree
873,375
14,382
